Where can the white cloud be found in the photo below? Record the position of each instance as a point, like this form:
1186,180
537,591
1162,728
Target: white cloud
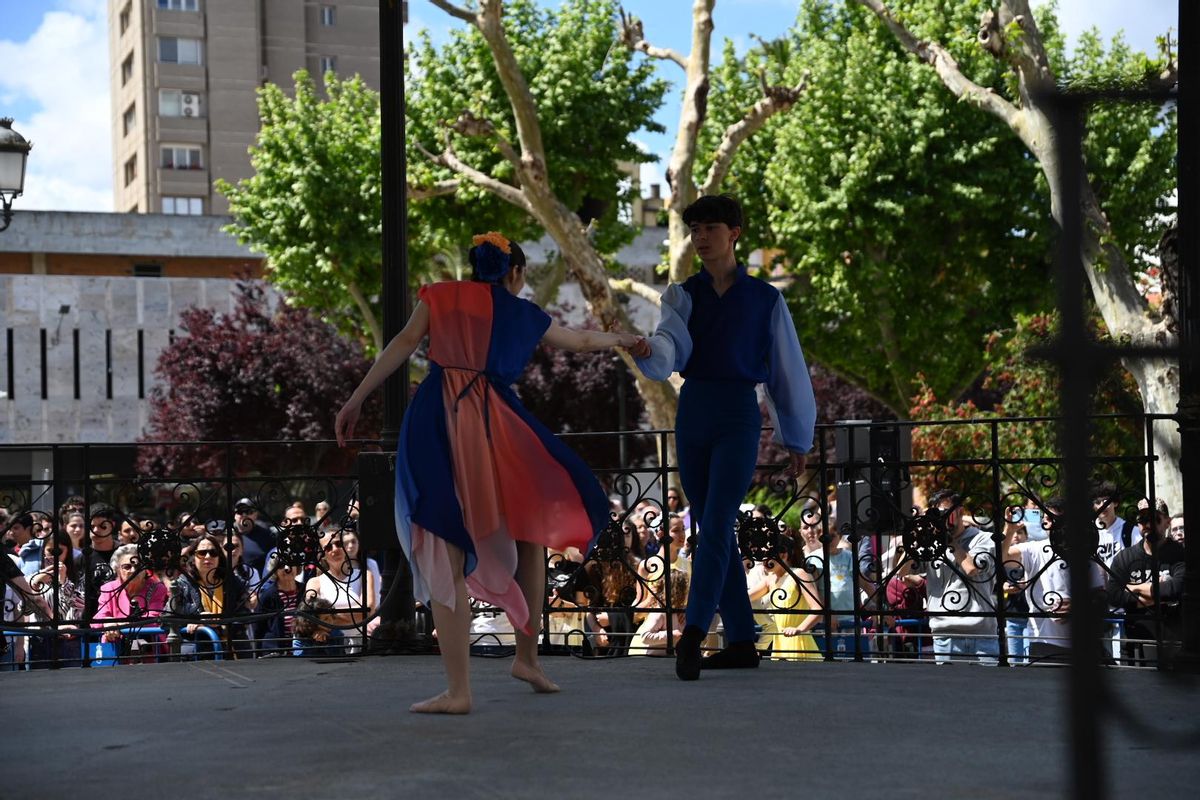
63,74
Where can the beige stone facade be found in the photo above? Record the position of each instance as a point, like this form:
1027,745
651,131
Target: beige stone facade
184,74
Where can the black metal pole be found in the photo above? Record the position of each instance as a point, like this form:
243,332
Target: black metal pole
395,204
377,470
1188,305
1077,357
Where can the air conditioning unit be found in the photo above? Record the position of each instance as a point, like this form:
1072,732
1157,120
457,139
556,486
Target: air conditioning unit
191,104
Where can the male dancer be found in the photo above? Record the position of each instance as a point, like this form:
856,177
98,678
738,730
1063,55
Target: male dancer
725,332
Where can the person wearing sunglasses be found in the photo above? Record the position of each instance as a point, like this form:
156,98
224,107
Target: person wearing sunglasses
349,592
134,594
207,589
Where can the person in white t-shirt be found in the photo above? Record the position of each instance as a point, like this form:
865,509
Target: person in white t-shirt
1115,533
1046,578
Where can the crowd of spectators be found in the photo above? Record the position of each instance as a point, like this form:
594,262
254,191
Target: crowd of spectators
104,585
78,582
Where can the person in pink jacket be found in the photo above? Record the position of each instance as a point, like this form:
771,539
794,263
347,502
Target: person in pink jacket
134,594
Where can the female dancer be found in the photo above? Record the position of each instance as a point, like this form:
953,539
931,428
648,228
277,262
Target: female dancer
725,332
481,486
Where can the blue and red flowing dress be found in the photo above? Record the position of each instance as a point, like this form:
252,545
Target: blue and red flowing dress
475,469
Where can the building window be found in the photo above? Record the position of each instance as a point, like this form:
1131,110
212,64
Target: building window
178,5
179,157
328,16
127,69
131,170
173,50
128,119
328,64
176,103
126,13
190,206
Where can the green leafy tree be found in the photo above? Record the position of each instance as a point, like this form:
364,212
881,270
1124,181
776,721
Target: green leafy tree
1128,160
313,205
912,223
590,100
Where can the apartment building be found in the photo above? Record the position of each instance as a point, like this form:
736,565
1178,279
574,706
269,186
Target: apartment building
183,75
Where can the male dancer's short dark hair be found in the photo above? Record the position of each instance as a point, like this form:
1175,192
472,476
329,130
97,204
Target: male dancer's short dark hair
714,208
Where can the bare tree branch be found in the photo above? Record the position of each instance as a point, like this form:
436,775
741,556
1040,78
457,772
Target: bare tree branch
642,290
634,37
1025,52
947,68
529,131
692,114
499,188
455,11
468,124
439,189
775,100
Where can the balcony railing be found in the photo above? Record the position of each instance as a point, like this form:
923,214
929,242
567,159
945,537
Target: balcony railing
845,563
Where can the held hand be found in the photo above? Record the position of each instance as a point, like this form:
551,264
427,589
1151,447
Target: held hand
628,340
111,637
347,418
640,347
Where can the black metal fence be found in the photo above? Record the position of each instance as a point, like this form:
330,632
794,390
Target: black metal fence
847,563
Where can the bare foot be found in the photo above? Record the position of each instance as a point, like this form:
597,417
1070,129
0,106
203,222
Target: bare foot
533,675
442,704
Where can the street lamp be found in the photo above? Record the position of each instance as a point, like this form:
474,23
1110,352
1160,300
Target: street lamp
14,150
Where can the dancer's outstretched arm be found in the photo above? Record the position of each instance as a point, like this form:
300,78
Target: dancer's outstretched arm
586,341
669,349
402,345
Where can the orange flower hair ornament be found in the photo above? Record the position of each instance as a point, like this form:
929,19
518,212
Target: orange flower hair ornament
490,256
493,237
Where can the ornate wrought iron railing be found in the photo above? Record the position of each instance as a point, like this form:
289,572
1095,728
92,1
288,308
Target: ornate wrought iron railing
846,563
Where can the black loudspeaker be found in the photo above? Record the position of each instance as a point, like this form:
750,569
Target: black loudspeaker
873,460
376,501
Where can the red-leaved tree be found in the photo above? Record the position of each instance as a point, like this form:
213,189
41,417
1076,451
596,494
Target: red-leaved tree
256,374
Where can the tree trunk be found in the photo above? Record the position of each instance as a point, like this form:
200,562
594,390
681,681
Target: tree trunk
680,173
584,263
1125,313
548,281
368,315
1158,381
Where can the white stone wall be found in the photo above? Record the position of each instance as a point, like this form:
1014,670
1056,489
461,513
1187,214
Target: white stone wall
122,305
31,303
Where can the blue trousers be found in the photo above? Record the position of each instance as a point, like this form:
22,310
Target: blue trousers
716,434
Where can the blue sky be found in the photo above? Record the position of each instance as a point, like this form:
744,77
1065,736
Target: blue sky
54,82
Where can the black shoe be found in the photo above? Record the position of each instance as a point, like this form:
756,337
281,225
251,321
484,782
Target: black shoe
687,653
739,655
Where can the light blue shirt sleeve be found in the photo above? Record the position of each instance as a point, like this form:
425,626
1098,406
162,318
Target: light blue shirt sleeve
789,395
671,344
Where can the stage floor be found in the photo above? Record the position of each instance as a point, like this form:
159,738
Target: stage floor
295,729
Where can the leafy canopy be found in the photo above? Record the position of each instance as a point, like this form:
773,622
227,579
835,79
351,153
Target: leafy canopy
591,95
313,205
914,225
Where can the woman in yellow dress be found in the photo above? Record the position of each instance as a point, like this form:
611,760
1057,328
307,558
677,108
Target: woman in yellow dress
794,610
